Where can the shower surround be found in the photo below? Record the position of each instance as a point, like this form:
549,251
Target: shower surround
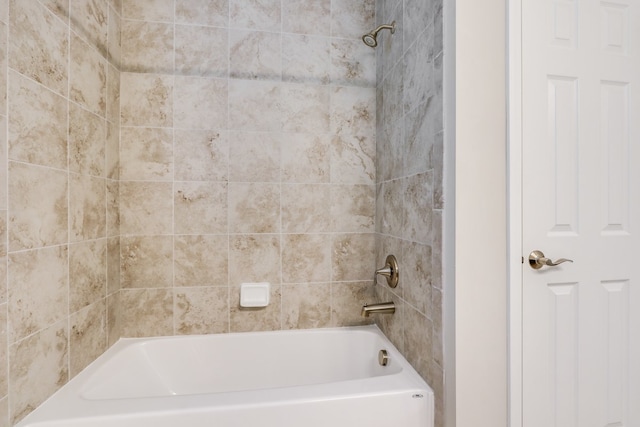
159,153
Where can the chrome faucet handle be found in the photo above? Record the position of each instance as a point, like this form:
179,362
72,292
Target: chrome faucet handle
390,271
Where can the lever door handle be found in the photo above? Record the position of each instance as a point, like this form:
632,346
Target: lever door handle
537,260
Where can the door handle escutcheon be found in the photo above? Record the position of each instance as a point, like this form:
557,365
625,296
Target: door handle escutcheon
537,260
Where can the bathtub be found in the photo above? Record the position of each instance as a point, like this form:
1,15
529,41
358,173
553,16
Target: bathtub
311,378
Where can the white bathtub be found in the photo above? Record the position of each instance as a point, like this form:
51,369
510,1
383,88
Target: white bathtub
311,378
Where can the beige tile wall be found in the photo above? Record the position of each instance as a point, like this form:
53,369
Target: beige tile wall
59,137
409,199
247,154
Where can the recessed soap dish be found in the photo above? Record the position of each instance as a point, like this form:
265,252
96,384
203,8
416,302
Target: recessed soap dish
254,294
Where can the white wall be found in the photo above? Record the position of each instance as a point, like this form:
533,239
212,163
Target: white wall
480,216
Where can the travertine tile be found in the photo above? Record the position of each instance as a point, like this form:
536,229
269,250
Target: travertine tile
392,325
353,159
418,148
148,10
146,208
149,100
89,18
304,208
146,262
39,44
37,124
200,103
113,208
113,265
112,151
255,319
254,156
4,11
201,155
254,258
305,108
202,310
418,331
306,306
202,51
203,12
352,257
147,47
87,273
261,15
4,357
114,318
201,260
38,291
306,59
352,19
39,367
353,110
255,105
306,258
255,55
254,207
87,207
146,154
347,299
4,411
306,158
418,78
4,172
352,63
114,38
3,67
416,276
87,142
392,202
418,200
113,94
88,336
352,208
3,257
305,17
58,7
200,207
147,312
38,207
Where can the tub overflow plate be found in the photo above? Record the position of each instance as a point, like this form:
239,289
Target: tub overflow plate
383,358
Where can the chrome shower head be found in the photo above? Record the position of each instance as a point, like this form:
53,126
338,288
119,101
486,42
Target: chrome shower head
371,39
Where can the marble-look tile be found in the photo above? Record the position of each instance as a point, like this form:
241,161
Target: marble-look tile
146,208
437,349
392,108
201,310
306,158
438,170
352,19
114,318
87,207
112,151
263,15
200,103
417,68
201,260
353,110
147,312
3,68
416,277
113,208
113,94
89,18
147,47
255,319
87,141
202,51
305,108
146,261
148,10
203,12
352,257
436,254
87,273
347,299
353,159
114,38
4,357
392,202
4,11
38,207
352,208
4,173
4,412
305,17
149,100
418,146
37,123
392,326
201,155
38,290
255,55
3,257
352,63
418,332
417,17
390,45
200,207
254,207
146,154
38,44
39,367
306,258
306,306
254,105
306,59
254,156
254,258
418,201
88,336
113,265
58,7
305,209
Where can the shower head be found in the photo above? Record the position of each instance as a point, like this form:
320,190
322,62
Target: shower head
371,39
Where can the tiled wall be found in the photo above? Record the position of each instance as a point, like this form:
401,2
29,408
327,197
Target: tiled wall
409,198
247,154
59,112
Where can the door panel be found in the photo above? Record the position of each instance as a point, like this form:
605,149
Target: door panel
581,200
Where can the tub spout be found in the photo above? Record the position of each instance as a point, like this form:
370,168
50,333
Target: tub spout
383,307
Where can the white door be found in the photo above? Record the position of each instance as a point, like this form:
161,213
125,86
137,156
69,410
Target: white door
581,201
